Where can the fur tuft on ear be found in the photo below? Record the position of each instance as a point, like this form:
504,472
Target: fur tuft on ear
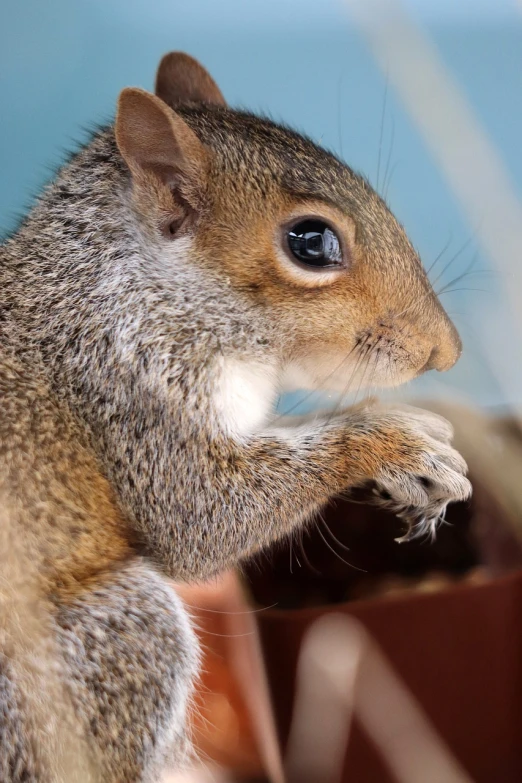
152,138
181,79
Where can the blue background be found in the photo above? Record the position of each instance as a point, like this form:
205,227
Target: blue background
63,62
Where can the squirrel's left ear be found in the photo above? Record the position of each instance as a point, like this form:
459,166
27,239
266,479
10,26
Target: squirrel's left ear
166,159
181,79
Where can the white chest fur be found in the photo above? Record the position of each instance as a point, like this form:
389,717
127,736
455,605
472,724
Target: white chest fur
245,395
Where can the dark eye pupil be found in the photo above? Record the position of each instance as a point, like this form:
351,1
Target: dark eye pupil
315,244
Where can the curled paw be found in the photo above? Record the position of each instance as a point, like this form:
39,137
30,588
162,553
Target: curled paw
426,473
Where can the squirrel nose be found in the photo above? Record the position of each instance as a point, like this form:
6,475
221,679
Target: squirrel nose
433,362
446,352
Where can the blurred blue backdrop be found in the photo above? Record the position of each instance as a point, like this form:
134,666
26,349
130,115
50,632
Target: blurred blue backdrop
63,62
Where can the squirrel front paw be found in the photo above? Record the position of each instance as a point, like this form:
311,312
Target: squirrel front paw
421,473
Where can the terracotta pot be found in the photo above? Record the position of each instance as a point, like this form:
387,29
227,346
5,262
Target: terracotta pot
231,720
456,644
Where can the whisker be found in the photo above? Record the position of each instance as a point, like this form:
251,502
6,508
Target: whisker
446,246
305,556
376,350
221,611
370,355
388,183
339,118
467,269
381,133
453,259
330,547
388,159
468,272
376,356
229,635
334,537
315,391
415,303
452,290
360,360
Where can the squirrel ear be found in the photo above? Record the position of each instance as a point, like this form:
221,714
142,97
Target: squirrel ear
181,79
154,139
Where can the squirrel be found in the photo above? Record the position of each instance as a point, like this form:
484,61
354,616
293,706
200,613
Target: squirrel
186,266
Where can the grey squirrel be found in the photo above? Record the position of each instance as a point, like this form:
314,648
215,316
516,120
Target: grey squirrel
184,267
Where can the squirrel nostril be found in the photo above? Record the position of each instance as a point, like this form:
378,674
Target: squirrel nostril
432,359
440,359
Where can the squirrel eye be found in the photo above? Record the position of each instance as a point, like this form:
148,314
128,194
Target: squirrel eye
314,243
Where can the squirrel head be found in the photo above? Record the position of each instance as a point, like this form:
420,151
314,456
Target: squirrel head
291,229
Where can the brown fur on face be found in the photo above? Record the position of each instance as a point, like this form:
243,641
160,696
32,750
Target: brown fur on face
382,298
375,322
